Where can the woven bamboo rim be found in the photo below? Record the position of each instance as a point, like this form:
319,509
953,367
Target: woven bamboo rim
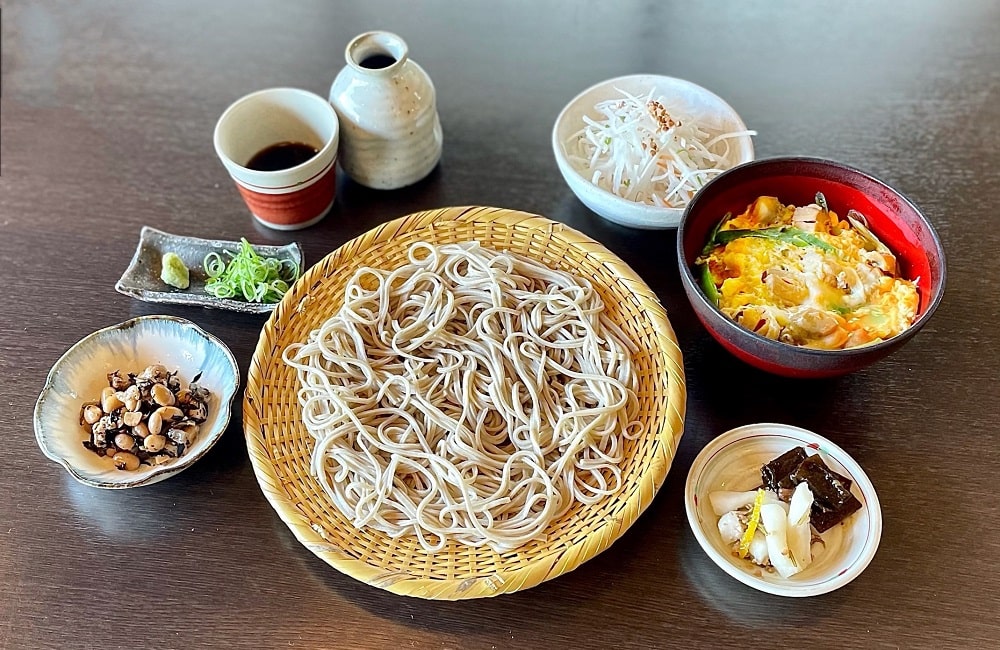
280,447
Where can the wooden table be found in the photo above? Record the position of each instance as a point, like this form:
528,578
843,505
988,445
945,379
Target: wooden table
107,116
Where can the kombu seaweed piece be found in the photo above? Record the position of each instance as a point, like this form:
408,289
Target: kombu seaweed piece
832,498
777,474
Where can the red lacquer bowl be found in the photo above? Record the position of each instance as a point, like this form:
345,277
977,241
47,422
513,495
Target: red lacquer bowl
891,216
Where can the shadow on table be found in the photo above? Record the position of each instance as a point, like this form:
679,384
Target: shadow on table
574,596
748,607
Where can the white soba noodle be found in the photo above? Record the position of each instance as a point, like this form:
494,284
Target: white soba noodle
468,395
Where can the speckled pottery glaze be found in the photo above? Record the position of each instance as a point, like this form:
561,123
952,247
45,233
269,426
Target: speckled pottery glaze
390,131
141,279
81,373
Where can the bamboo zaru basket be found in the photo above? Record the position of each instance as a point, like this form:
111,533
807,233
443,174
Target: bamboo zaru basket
280,447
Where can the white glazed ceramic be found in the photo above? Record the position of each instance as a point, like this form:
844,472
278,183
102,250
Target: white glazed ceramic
390,132
733,461
81,373
284,199
683,96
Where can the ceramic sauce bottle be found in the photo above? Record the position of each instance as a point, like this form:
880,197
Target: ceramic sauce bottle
390,133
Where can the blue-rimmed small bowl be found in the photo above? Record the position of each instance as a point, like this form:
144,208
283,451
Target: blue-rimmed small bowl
81,373
733,461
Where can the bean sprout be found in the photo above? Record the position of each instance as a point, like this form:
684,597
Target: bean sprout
644,153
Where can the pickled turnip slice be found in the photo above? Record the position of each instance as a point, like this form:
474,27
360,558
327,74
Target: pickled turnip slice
799,530
775,521
724,501
758,548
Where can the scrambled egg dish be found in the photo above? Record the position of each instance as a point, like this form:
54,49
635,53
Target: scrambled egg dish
803,276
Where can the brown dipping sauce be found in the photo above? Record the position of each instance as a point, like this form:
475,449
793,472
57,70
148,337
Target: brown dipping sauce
281,156
377,61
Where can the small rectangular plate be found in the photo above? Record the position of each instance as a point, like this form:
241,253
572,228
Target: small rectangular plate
141,279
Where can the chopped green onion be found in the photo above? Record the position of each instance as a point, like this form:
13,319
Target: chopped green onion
787,234
249,276
713,235
708,284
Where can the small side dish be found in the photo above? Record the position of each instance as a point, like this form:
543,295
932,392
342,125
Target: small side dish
642,151
232,275
636,149
147,418
804,276
151,396
783,510
779,525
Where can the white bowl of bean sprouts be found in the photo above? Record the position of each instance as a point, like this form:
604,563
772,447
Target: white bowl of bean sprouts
637,149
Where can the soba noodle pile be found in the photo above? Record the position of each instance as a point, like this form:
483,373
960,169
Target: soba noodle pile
468,395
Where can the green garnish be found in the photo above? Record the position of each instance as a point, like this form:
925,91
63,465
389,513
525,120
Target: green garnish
708,284
712,236
174,272
787,234
248,275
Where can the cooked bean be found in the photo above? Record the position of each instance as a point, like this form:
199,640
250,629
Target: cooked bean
138,415
124,441
155,423
110,401
169,413
125,460
140,430
162,395
198,411
116,381
155,371
92,413
181,435
133,398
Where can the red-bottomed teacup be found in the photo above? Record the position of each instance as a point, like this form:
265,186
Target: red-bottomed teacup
280,146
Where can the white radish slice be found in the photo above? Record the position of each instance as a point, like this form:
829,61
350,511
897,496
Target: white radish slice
799,530
758,548
723,501
775,522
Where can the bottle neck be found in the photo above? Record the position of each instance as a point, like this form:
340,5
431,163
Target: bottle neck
376,53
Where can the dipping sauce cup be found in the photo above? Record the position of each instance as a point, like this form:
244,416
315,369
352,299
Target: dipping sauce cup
283,198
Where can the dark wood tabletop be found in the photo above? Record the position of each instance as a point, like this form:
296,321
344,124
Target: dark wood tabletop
107,117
